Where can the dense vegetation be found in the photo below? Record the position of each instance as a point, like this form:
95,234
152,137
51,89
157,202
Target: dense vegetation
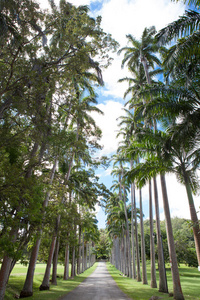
48,138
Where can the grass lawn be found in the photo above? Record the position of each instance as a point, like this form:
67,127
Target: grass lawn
190,282
18,275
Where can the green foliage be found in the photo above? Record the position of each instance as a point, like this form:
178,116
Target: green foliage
183,238
49,64
102,247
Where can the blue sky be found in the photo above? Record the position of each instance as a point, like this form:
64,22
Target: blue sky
119,18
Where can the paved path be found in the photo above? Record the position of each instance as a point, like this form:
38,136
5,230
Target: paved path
98,286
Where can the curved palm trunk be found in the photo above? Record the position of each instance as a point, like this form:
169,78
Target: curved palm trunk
161,263
152,249
193,214
45,282
6,265
28,284
4,275
177,290
143,255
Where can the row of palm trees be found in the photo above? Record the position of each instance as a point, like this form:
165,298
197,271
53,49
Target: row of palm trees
161,130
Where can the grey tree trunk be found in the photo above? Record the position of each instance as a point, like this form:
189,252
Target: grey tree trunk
4,275
132,230
177,290
161,263
152,249
28,284
137,244
79,252
128,245
194,218
45,282
143,255
55,263
66,267
73,267
83,255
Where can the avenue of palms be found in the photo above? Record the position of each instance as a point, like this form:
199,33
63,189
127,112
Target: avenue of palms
51,67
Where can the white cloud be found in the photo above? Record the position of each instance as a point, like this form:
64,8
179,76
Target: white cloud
124,17
177,197
108,124
132,16
44,3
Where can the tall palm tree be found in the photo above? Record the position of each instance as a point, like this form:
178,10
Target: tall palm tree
119,171
154,164
143,53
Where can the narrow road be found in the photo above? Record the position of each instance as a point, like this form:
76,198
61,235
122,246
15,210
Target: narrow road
98,286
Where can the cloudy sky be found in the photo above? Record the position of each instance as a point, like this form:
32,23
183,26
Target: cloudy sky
119,18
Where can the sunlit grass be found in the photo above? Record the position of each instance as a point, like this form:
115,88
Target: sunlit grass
18,275
190,281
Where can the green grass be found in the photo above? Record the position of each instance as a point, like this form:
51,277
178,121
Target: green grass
190,281
18,275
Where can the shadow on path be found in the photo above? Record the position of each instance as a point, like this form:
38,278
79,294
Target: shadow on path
98,286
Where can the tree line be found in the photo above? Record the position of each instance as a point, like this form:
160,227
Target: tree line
51,62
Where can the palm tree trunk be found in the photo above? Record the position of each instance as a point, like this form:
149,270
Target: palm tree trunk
4,275
193,214
28,284
6,265
27,290
137,244
177,290
161,263
152,249
66,267
128,245
55,263
79,252
83,255
73,267
132,229
45,282
122,253
143,254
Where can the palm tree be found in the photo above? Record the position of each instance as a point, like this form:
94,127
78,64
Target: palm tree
187,34
154,164
143,54
122,195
